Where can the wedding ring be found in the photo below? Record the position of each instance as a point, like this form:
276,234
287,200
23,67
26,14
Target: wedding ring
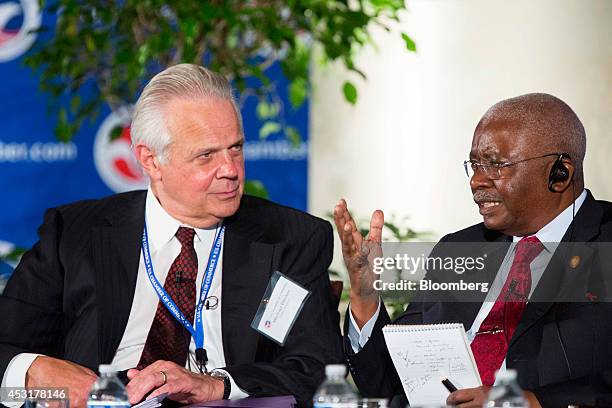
165,377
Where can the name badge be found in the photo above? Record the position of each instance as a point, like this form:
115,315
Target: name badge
281,305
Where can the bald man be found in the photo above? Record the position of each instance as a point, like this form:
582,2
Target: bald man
526,175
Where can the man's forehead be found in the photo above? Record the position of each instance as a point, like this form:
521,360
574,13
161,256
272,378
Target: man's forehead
209,115
498,138
485,144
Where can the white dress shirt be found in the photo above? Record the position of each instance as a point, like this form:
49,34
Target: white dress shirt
550,235
164,248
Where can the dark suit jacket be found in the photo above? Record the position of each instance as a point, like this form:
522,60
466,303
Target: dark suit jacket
561,350
70,297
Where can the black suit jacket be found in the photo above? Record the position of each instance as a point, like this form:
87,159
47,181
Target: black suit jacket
71,295
562,350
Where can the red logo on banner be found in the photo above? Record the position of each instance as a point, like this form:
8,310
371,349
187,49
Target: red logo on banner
15,42
114,157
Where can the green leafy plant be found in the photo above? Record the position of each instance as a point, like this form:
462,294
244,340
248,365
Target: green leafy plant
13,256
256,188
112,48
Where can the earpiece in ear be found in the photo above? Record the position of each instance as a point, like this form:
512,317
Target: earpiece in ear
558,172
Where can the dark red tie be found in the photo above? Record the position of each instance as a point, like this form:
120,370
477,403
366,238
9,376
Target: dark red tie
168,339
491,342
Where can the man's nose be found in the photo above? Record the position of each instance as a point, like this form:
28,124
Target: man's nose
228,167
480,180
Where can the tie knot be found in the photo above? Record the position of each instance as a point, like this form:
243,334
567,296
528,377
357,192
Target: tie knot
185,236
527,249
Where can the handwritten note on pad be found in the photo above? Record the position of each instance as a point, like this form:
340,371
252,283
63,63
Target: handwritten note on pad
424,354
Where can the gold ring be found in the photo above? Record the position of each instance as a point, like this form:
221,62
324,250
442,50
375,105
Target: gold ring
165,377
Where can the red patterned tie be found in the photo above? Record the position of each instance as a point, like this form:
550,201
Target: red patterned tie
491,342
168,339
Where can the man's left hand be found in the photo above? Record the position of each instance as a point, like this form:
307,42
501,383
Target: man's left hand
180,384
469,397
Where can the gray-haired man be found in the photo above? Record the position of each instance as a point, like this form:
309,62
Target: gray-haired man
86,293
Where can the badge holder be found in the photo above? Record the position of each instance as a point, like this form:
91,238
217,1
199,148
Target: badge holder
271,302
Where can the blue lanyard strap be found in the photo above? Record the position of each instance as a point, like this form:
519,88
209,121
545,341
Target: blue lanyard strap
211,266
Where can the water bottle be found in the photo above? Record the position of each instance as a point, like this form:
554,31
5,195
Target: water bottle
335,392
506,392
108,391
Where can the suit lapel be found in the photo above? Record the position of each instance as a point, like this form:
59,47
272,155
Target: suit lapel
116,254
495,252
247,266
559,277
494,249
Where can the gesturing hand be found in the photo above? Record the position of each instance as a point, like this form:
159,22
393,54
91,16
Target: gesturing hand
358,253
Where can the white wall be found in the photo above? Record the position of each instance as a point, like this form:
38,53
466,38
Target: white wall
402,146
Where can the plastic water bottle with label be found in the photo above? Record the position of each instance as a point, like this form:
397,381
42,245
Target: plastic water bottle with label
335,392
108,391
506,392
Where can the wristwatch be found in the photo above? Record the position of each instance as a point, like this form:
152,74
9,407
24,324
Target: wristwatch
227,385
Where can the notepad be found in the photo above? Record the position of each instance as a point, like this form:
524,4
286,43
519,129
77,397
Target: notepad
424,354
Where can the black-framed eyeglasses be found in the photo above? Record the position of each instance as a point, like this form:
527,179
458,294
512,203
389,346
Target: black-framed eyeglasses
496,171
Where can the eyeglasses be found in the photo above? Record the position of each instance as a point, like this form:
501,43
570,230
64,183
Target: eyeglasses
496,171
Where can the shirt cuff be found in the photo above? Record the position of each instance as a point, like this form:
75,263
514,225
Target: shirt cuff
15,374
359,338
235,392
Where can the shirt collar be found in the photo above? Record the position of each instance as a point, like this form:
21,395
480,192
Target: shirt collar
161,226
553,232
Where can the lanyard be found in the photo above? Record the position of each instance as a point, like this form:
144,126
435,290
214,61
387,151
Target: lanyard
198,332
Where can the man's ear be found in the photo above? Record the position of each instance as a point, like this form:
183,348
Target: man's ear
562,185
148,161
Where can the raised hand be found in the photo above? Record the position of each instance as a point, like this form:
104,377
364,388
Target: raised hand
358,253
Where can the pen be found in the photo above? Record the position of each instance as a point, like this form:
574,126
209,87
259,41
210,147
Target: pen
448,385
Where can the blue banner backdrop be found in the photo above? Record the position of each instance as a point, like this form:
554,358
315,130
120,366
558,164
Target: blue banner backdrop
37,171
